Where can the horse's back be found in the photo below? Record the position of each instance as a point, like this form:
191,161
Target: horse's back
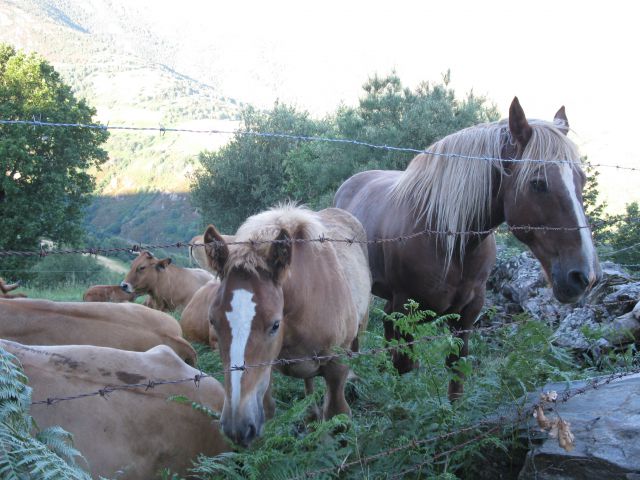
352,257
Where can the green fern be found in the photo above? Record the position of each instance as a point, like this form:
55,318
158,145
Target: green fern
47,456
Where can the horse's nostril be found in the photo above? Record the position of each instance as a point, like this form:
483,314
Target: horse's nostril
250,433
578,277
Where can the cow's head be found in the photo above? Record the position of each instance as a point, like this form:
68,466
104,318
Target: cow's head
145,273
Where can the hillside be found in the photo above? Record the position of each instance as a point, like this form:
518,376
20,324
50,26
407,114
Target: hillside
111,57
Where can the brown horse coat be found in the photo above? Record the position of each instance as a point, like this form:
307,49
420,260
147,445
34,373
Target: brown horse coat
126,326
289,299
195,317
132,434
169,287
107,293
473,181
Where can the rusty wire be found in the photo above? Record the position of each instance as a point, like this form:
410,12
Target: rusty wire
322,239
293,137
151,384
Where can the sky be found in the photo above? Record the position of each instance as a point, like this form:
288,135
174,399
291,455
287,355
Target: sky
583,55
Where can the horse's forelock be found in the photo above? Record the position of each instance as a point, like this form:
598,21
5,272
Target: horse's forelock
258,231
451,192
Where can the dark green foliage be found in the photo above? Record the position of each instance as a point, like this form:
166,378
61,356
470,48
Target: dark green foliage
391,411
43,171
624,241
252,173
593,207
49,454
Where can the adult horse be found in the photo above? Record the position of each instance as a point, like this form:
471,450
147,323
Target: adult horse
474,180
282,300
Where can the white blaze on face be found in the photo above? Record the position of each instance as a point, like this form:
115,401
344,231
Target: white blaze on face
588,251
243,310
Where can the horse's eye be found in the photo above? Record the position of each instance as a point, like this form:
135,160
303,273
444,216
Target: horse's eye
275,326
539,185
141,268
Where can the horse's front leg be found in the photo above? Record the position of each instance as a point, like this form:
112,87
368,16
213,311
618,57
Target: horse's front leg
460,328
335,375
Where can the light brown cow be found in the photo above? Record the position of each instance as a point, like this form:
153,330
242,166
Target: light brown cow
132,434
5,289
127,326
170,287
108,293
195,317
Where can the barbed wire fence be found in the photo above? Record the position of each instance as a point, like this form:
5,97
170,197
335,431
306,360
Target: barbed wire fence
489,426
293,137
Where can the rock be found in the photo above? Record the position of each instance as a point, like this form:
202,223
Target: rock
612,275
518,285
571,334
622,299
606,425
625,328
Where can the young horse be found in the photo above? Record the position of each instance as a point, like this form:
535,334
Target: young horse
284,300
443,192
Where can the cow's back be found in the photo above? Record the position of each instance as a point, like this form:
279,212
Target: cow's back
135,431
195,317
125,326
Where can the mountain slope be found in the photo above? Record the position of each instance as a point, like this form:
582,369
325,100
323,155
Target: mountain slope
111,56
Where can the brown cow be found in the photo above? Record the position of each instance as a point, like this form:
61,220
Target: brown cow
5,289
195,317
127,326
132,434
108,293
170,287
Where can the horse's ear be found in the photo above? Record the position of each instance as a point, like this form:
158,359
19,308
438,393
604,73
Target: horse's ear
279,257
560,120
216,249
518,126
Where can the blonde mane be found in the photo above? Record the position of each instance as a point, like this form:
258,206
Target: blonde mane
453,193
300,222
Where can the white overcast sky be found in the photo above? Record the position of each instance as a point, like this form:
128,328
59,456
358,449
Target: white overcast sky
584,55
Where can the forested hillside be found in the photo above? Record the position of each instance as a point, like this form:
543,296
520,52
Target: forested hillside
114,58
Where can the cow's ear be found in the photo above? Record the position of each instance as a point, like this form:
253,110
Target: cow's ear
164,263
216,248
280,253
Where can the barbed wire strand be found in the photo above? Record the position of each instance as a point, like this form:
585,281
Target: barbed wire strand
322,239
630,247
288,136
495,423
106,389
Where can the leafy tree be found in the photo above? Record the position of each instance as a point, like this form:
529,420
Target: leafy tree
593,208
625,239
249,174
43,170
253,173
